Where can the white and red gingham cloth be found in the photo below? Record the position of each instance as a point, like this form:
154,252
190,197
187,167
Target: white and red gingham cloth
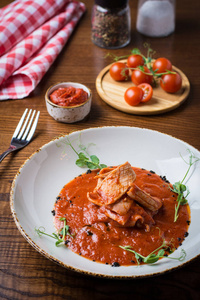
32,34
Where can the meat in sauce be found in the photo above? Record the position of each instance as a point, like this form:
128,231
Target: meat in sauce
116,206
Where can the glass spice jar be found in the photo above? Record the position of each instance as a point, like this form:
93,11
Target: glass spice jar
111,23
156,18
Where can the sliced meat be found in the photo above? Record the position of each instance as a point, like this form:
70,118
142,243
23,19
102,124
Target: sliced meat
140,218
95,198
102,174
143,198
116,183
114,216
121,200
136,216
122,206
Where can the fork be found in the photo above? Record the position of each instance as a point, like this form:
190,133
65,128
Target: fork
23,132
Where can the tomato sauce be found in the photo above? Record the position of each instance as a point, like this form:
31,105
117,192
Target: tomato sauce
68,96
98,237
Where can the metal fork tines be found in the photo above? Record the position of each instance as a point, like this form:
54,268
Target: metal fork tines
23,132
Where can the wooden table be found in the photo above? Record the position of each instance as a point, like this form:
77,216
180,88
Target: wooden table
24,273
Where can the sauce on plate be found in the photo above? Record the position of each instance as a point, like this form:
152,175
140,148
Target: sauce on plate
97,237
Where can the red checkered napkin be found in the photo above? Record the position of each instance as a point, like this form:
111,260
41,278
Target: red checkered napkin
24,65
22,17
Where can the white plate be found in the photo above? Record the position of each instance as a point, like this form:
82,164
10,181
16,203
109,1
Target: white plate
42,176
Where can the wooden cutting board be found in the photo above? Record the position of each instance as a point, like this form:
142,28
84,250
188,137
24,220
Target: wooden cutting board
112,92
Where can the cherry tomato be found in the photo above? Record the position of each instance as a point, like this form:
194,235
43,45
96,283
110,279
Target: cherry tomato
171,83
119,71
139,77
148,91
161,65
133,95
135,60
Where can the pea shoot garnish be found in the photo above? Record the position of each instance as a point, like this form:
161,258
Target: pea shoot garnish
181,189
154,256
85,159
59,237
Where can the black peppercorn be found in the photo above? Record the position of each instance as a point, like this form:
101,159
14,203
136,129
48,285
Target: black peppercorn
115,264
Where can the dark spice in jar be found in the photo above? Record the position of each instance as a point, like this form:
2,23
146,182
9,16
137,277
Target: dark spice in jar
111,26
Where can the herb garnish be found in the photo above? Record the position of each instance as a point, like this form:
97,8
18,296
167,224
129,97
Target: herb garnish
63,232
153,257
85,159
179,188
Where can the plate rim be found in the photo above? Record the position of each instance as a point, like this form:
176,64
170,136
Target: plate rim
59,262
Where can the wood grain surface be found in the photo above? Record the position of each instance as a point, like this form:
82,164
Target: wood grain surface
26,274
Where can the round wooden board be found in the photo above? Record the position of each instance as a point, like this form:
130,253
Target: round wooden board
112,92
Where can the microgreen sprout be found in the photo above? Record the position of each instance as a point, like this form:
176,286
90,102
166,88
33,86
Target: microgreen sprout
181,189
85,159
154,256
60,236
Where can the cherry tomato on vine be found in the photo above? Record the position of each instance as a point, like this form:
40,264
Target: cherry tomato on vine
135,60
119,71
161,65
139,76
133,95
171,83
148,91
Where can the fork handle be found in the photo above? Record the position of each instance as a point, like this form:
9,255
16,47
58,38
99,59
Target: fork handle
10,149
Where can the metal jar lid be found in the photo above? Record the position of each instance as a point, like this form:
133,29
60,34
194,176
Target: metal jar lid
111,3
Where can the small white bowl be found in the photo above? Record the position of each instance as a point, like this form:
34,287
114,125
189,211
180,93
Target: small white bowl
68,114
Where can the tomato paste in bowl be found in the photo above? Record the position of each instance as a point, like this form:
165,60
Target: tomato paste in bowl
68,102
69,96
